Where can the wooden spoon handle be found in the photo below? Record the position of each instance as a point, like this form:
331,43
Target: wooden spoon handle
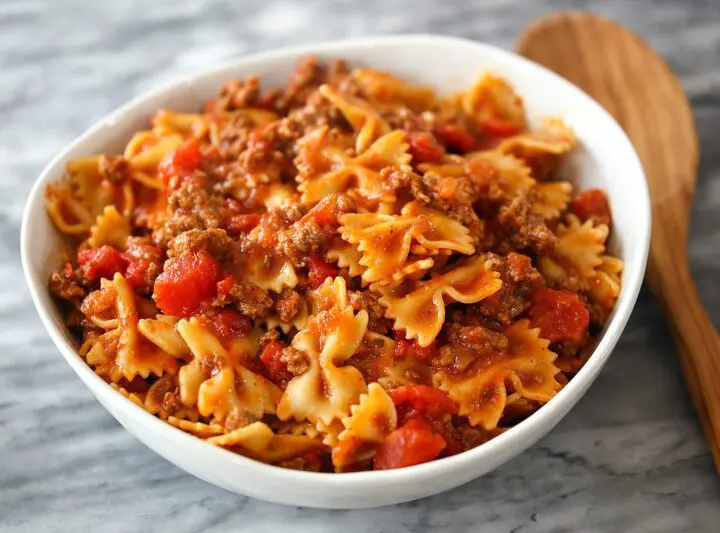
698,346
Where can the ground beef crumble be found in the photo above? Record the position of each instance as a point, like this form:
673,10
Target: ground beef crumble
296,361
233,136
468,345
369,301
216,241
251,300
524,229
519,280
287,305
306,236
268,337
65,285
191,207
114,168
307,77
453,196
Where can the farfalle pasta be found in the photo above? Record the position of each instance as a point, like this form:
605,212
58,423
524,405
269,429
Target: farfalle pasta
347,273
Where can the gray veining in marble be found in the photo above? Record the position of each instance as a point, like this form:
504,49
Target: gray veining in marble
629,458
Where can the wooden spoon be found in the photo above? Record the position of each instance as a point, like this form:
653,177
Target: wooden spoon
637,87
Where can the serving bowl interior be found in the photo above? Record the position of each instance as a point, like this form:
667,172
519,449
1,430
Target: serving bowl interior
605,158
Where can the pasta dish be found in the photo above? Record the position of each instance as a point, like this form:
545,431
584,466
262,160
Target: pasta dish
347,273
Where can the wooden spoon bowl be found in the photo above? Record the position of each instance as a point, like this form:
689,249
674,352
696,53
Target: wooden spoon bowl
636,86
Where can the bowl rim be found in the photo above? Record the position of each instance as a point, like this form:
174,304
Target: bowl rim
522,432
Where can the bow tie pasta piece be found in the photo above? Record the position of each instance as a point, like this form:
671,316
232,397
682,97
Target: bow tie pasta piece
419,307
258,442
326,390
554,137
150,151
441,233
481,388
110,228
320,151
162,331
135,397
122,352
275,275
553,199
370,422
292,427
151,154
217,381
284,448
393,370
332,293
541,148
605,284
450,165
199,429
367,123
359,175
345,255
80,197
385,89
577,252
494,105
390,150
494,170
254,437
298,321
385,241
330,432
167,122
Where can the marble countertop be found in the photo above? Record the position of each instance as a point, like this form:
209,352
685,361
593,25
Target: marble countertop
630,457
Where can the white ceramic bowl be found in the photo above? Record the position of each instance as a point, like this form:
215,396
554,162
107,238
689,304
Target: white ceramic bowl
605,159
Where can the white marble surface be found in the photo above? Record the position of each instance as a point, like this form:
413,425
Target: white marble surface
630,457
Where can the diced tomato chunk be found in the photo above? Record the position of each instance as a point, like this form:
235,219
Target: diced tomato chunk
142,261
225,285
324,212
560,315
186,281
496,127
319,270
455,138
424,147
410,348
229,324
237,224
411,444
271,357
182,162
101,262
592,205
412,401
